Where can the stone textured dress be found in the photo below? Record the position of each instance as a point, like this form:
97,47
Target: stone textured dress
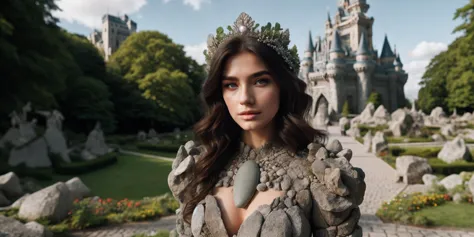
322,192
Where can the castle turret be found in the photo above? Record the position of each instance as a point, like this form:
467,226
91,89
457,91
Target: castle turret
398,64
364,67
387,56
328,22
335,69
307,62
387,60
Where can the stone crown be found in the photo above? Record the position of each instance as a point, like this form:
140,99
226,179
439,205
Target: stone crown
273,36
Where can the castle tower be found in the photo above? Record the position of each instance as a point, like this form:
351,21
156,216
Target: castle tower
335,69
307,62
402,78
387,60
364,67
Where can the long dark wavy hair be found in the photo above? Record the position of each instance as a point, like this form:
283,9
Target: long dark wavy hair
220,134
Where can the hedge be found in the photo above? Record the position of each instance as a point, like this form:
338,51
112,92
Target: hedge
81,167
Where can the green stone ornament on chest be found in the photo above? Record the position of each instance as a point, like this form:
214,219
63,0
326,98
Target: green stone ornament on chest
245,183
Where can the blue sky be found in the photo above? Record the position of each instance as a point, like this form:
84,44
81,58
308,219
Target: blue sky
420,29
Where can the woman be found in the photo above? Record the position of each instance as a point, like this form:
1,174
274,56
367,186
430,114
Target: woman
257,167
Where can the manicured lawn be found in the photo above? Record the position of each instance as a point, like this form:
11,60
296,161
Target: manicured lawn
131,177
132,147
450,215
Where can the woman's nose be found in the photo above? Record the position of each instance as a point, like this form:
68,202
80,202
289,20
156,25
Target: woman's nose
246,95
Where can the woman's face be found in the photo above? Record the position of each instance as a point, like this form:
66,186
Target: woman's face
250,93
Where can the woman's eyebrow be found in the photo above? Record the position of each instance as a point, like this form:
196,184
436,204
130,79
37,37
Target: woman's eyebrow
254,75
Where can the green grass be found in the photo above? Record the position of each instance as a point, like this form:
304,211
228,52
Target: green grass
410,139
132,147
131,177
450,215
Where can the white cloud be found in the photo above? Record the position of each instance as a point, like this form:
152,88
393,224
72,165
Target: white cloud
90,12
195,4
427,50
421,56
196,52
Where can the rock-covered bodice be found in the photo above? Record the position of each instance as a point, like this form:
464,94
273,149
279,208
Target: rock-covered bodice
322,191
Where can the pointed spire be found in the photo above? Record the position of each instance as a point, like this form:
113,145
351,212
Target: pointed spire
363,49
310,47
398,61
336,45
329,19
320,42
386,49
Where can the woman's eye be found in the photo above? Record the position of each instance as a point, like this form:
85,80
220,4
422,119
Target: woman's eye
262,81
230,85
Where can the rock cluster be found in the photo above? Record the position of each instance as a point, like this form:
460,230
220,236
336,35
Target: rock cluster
318,185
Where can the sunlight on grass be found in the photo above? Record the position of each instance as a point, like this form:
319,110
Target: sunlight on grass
131,177
450,215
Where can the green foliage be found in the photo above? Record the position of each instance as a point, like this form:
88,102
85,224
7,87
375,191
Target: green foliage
403,208
449,80
375,98
345,109
81,167
90,212
163,74
33,62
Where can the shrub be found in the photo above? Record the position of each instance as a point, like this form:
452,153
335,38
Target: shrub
375,98
403,208
345,109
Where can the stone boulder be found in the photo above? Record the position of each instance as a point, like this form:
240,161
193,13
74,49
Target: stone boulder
455,150
437,117
411,169
402,122
10,185
367,113
438,138
448,130
429,179
14,228
53,202
78,189
470,185
381,116
451,181
379,143
343,122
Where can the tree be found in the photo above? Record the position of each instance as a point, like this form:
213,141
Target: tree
345,109
449,79
375,98
33,62
163,73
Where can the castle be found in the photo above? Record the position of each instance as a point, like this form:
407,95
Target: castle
344,66
114,31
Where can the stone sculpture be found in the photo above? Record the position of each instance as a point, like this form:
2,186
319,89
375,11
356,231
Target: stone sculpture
54,135
95,143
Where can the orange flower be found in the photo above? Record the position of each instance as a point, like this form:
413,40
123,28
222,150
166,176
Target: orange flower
137,204
76,200
109,200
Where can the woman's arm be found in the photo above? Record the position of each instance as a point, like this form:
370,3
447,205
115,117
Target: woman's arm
337,192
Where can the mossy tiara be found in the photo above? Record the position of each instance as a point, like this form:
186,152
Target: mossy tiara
273,36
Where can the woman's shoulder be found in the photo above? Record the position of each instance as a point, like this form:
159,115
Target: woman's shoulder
182,168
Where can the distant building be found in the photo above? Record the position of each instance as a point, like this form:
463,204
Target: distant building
114,31
343,65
